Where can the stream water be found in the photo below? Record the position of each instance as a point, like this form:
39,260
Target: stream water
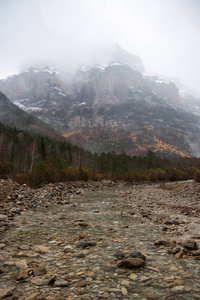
98,216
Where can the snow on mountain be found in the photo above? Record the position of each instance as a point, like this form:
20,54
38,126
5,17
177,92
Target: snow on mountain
47,69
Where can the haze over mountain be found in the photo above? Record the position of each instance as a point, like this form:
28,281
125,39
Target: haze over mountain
113,106
67,34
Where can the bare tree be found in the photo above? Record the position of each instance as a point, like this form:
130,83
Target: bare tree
32,157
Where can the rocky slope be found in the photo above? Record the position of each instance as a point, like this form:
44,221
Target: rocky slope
115,106
11,115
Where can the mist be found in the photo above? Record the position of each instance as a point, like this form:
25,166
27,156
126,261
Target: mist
67,34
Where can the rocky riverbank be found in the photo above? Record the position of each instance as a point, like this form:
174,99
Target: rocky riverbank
107,240
15,198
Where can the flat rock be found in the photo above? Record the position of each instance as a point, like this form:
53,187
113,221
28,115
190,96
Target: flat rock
5,293
178,289
60,283
41,249
85,244
39,281
80,283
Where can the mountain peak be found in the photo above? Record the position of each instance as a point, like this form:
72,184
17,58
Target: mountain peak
121,56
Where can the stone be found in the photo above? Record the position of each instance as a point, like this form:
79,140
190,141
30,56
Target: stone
3,217
190,244
68,248
40,270
124,291
179,254
5,293
178,289
21,275
21,264
80,283
62,283
83,236
33,296
83,224
151,294
166,243
39,281
133,276
158,243
137,254
131,263
197,252
119,254
41,249
85,244
125,282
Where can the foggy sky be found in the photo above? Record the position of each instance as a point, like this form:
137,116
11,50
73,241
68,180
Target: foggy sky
68,33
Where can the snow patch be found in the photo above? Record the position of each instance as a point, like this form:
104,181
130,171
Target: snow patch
80,104
161,81
88,68
60,91
47,69
132,88
116,64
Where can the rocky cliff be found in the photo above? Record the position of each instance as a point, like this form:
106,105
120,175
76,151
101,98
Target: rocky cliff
109,107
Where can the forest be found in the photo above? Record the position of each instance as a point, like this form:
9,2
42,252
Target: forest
36,159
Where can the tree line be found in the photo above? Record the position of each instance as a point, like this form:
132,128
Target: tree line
36,159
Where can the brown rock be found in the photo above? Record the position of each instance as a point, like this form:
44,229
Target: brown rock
5,293
40,270
39,281
41,249
190,244
131,263
196,252
166,243
21,275
33,296
21,264
80,283
179,254
178,289
85,244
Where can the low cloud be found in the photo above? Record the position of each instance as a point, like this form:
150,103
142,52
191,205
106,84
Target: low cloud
66,34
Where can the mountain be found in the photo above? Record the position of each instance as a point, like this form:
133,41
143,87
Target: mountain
113,106
11,115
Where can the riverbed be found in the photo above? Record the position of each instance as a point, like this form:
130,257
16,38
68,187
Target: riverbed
46,255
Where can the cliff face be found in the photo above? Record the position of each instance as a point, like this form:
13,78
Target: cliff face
109,85
109,107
